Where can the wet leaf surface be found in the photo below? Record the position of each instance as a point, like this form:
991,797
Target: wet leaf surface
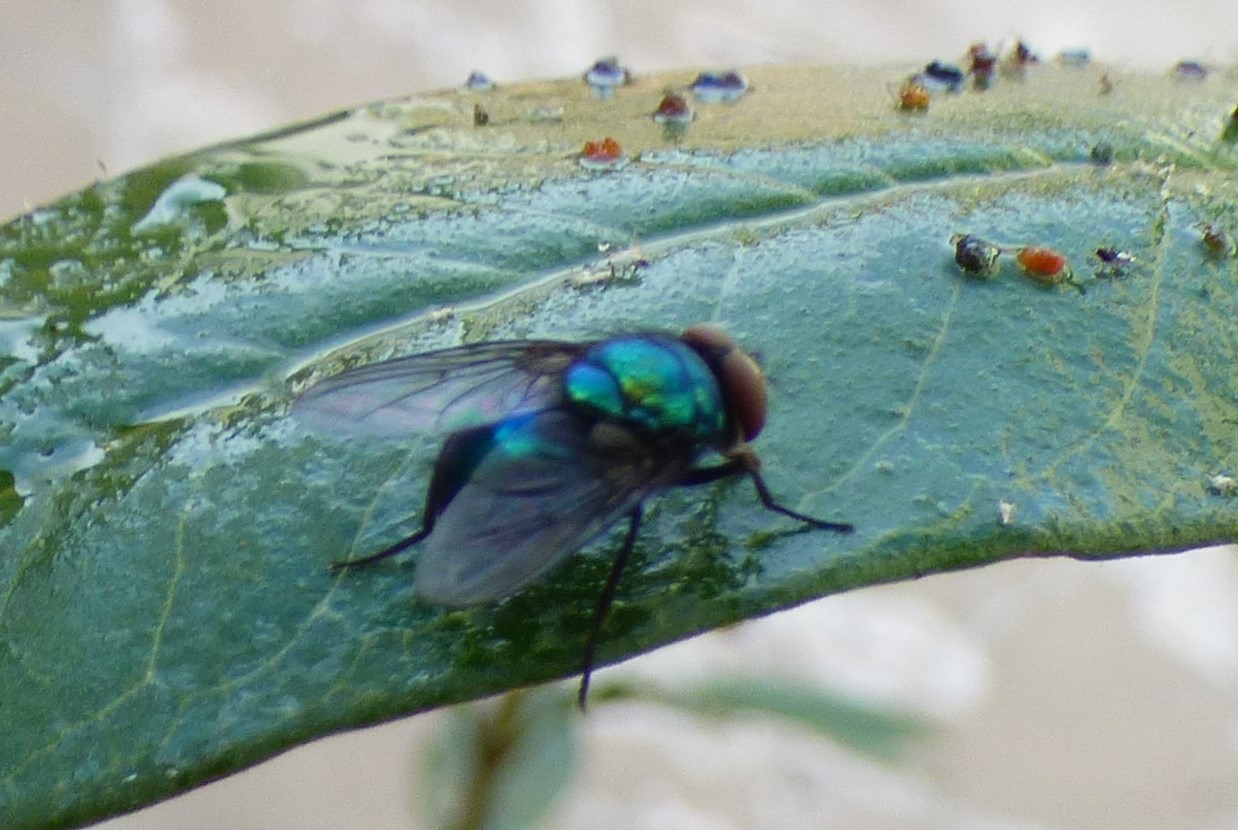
167,615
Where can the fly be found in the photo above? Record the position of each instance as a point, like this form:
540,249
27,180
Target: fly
549,444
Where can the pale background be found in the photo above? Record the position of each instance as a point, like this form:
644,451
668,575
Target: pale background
1067,695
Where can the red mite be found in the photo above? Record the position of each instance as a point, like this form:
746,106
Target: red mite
673,109
1044,265
601,153
983,65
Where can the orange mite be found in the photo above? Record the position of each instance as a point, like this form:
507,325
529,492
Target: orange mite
913,96
1044,265
601,153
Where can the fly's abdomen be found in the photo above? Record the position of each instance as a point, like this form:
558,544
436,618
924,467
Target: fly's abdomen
656,384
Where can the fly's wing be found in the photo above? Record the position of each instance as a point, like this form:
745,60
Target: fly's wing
542,491
448,389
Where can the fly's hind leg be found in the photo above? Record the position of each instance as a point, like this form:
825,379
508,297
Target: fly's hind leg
452,469
402,545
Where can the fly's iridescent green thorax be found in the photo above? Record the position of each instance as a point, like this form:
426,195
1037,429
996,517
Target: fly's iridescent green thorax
660,384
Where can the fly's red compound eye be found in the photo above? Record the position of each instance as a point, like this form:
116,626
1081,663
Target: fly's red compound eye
741,379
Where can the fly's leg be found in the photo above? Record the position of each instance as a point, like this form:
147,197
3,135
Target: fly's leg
398,547
451,470
767,499
746,464
603,605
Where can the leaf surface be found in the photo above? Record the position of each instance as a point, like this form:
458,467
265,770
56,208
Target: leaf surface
166,613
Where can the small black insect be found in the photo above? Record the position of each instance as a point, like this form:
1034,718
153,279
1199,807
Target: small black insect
977,257
550,443
479,82
943,74
726,87
605,76
1102,154
1190,70
1114,257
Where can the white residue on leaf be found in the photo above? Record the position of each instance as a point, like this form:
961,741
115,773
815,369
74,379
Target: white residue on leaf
181,194
17,337
157,324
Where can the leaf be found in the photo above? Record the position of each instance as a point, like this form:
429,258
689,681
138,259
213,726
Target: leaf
167,616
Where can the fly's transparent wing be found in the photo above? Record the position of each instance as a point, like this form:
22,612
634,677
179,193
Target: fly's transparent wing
539,494
443,390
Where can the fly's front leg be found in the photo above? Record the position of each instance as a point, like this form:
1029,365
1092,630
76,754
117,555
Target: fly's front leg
767,499
746,463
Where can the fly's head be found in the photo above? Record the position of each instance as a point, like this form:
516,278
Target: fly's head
739,377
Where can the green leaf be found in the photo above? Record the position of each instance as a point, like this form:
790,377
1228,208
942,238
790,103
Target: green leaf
167,616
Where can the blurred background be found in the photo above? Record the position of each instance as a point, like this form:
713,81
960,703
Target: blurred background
111,84
1061,694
